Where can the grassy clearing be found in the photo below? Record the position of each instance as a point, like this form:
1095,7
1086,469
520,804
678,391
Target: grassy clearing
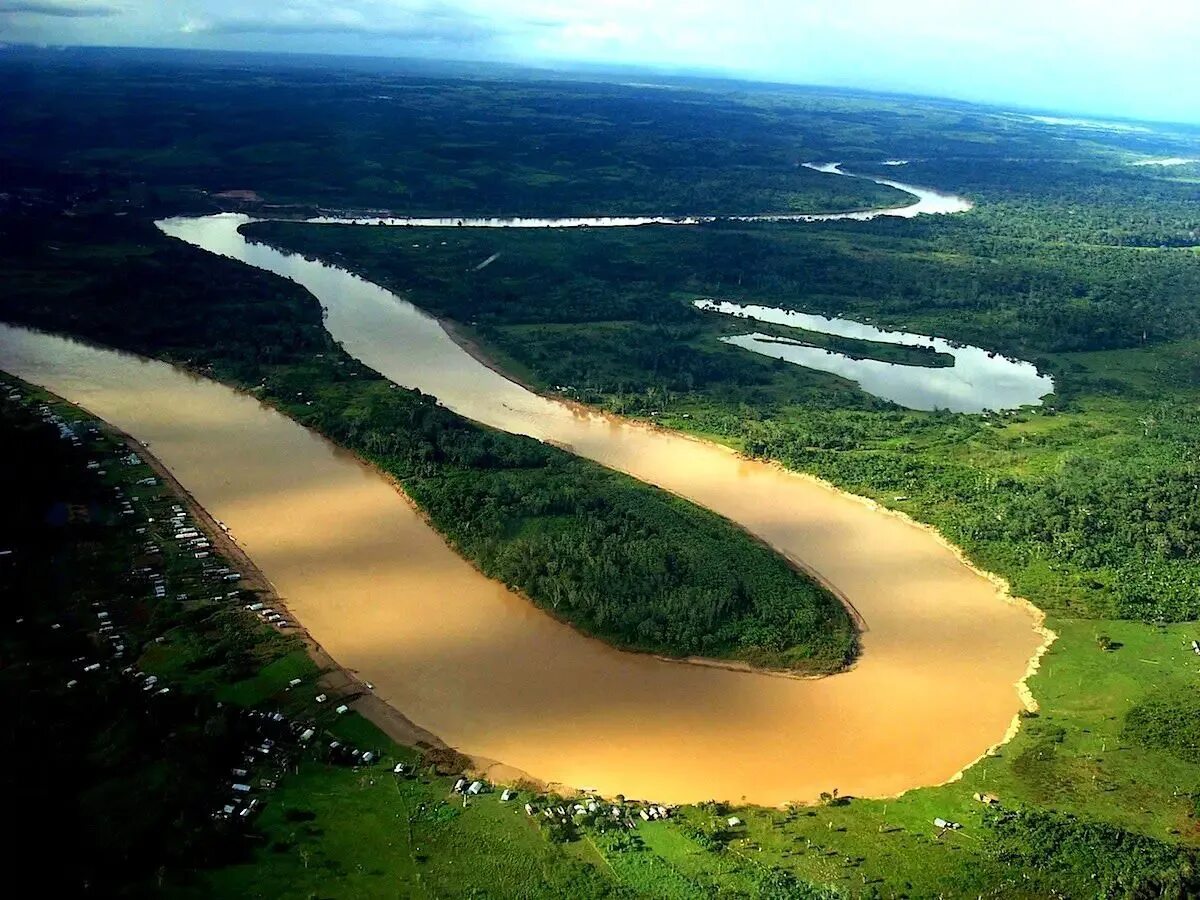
1070,758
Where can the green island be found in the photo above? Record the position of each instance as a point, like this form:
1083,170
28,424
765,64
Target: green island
1087,504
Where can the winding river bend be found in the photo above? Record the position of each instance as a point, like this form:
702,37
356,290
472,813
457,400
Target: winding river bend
926,201
944,648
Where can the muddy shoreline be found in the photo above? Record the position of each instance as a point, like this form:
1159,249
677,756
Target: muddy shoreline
335,678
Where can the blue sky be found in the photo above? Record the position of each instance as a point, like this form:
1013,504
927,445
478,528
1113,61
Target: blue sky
1100,57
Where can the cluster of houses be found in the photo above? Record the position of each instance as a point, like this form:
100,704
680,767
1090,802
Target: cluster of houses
270,616
191,543
66,430
625,815
270,746
342,754
174,559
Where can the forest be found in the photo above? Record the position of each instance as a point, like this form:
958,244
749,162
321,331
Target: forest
378,136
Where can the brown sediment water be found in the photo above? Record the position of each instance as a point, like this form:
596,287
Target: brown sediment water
943,651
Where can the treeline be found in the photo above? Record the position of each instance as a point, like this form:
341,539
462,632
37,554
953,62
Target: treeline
619,559
1089,197
383,138
952,278
1094,858
1102,534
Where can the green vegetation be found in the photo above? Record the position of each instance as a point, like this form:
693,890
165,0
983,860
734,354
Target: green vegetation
376,136
1088,504
1124,813
617,558
1167,721
1125,810
87,743
1119,864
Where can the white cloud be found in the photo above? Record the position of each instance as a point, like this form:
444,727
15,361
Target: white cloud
1093,56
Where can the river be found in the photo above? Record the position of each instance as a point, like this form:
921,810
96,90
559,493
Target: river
944,647
926,201
489,673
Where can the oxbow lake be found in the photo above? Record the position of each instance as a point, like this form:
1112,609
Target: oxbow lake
979,379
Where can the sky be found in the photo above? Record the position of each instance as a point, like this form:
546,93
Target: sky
1097,57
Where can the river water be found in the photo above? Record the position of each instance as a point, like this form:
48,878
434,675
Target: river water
978,380
489,673
942,653
482,668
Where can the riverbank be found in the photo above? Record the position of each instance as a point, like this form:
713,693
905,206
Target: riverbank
1004,590
488,360
335,678
516,665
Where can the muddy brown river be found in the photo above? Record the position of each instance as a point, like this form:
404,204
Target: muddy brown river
944,648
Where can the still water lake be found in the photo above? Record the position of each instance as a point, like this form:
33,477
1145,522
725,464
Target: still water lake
979,380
